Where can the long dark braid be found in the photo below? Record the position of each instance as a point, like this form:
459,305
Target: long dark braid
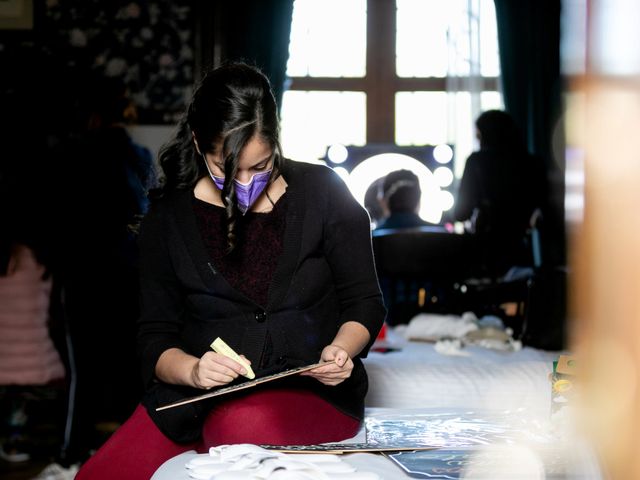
232,144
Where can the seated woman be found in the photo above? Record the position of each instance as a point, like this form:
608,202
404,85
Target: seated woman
270,255
501,186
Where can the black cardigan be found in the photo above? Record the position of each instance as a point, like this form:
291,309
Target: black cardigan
325,277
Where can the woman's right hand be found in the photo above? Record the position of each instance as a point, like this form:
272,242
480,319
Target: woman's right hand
214,370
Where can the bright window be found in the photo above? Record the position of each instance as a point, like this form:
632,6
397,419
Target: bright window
311,121
422,23
409,73
328,38
421,118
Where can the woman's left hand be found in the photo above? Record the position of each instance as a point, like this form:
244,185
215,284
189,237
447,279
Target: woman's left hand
336,372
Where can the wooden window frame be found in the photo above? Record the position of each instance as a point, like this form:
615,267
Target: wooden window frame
381,82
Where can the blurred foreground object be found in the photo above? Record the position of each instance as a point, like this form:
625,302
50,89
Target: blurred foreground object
606,308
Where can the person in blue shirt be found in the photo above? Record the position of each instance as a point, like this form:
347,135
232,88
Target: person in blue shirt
400,198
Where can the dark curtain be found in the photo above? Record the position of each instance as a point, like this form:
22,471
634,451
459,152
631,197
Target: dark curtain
257,31
529,41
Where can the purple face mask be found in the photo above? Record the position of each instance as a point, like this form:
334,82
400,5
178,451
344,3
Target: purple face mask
246,193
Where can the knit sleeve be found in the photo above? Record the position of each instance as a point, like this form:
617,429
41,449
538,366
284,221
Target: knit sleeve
347,240
161,300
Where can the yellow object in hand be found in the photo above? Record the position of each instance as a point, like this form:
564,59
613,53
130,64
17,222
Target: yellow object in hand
222,348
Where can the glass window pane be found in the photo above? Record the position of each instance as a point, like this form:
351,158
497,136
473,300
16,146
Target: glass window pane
463,38
573,41
430,118
421,118
421,38
491,100
312,121
489,52
328,38
613,25
456,37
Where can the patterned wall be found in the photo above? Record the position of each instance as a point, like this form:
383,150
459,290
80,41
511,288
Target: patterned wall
149,44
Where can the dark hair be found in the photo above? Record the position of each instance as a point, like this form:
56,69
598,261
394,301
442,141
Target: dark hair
401,190
232,104
498,130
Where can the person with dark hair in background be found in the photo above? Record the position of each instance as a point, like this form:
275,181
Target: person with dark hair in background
501,187
400,198
272,256
102,185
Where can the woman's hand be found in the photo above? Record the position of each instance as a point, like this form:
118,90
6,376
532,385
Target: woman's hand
336,372
214,370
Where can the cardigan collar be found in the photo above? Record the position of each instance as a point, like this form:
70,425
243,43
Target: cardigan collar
279,286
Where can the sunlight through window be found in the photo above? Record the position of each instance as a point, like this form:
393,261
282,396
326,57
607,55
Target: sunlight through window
311,121
428,90
428,118
328,38
421,38
421,118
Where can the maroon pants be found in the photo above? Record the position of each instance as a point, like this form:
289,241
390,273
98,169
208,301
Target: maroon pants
276,417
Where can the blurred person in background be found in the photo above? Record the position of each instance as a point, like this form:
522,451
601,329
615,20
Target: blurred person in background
501,187
29,360
102,181
400,199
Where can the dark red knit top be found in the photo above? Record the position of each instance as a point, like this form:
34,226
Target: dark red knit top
250,267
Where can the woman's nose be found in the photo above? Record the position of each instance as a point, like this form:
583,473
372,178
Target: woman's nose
243,176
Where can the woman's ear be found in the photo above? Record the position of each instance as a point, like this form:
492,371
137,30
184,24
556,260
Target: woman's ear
195,142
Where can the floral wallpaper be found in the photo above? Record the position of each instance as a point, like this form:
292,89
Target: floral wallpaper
149,44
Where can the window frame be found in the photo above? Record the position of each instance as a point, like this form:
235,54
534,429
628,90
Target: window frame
381,82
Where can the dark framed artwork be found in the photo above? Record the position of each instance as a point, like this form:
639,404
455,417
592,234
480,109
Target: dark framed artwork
16,14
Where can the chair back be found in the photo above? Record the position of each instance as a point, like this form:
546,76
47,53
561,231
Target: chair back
420,267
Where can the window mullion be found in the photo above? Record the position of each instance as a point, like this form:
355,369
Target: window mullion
327,83
380,79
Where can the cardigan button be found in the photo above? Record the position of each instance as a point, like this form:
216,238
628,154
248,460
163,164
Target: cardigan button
260,316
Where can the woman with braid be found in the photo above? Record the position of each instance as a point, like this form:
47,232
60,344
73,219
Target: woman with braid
274,257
